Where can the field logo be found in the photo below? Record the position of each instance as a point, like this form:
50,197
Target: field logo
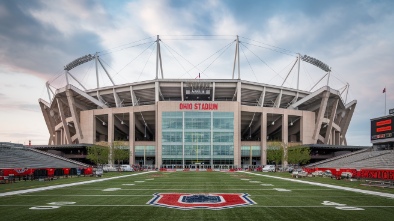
213,201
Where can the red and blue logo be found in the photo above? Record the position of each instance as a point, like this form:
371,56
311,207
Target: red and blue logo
213,201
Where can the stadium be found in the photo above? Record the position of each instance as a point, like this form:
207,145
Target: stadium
199,144
197,123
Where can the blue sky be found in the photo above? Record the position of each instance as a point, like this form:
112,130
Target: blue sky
38,38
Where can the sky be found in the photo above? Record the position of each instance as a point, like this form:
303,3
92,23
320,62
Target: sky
38,38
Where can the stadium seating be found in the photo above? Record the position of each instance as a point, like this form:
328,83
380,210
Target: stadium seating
22,157
374,159
323,162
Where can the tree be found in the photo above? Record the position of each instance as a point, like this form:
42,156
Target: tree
275,152
98,154
121,151
299,155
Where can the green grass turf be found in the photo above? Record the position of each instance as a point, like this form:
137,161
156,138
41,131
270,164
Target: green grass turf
303,202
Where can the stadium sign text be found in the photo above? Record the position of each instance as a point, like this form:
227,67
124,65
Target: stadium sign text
198,106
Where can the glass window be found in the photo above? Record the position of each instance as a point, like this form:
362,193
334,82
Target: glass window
203,132
149,151
220,137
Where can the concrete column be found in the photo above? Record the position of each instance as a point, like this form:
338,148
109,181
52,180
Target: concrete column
320,115
285,128
329,128
158,122
346,122
57,138
337,136
157,92
94,128
48,121
111,138
61,136
213,91
285,137
182,98
74,114
332,136
263,132
64,122
131,137
239,91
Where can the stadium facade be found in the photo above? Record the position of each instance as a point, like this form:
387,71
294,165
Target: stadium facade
201,123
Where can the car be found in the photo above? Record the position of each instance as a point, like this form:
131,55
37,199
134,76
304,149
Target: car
299,173
346,175
99,172
327,173
126,167
269,168
317,173
108,168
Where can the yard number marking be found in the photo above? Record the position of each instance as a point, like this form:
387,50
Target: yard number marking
340,206
282,190
56,205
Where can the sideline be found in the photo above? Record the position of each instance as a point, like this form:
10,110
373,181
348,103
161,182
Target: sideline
388,195
68,185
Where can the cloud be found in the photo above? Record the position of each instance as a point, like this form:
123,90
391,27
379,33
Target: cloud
6,106
32,45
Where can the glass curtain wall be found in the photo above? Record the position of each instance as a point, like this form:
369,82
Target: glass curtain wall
250,155
145,155
197,138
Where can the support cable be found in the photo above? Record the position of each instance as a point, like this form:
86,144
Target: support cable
249,64
150,55
112,69
262,61
283,49
196,66
152,43
282,52
113,50
216,58
166,46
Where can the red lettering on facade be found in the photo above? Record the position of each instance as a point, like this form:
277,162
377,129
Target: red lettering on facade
186,106
215,106
198,106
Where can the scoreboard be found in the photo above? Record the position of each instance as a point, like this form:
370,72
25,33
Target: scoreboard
382,128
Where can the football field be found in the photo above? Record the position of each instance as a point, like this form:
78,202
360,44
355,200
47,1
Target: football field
194,196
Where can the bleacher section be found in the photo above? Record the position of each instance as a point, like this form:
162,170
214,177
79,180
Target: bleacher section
373,159
385,160
333,159
18,156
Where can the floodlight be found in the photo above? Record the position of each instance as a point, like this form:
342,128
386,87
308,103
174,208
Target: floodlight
78,62
316,63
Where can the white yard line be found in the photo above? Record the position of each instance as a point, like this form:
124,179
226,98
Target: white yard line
67,185
388,195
